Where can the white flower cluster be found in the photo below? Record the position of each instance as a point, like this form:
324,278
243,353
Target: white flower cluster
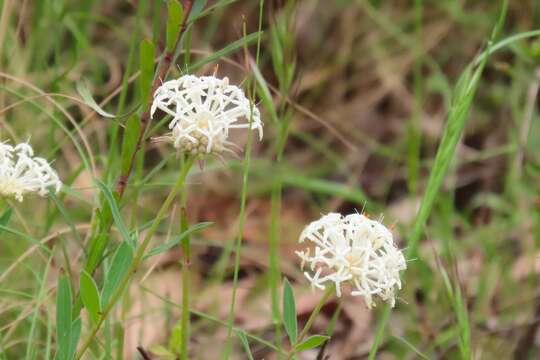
203,110
21,172
356,250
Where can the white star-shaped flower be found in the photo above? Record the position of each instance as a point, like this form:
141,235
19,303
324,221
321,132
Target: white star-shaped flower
355,250
21,172
203,110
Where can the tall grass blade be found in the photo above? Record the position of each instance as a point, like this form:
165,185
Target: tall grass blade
63,318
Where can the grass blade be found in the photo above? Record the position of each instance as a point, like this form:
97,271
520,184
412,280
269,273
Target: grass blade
82,89
463,95
76,327
176,240
116,213
238,44
245,343
63,318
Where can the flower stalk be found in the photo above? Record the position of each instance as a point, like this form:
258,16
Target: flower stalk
327,294
138,255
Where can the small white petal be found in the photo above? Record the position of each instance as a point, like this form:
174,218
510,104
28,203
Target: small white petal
21,173
203,110
355,250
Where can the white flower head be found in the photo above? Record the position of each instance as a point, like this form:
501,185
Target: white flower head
203,110
21,172
355,250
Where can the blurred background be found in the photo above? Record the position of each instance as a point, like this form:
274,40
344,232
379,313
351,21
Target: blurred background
361,91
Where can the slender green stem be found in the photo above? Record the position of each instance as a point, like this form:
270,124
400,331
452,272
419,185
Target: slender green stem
241,223
273,259
243,199
327,293
184,338
138,255
379,333
285,71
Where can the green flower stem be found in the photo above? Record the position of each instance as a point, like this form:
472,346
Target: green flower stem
243,197
327,293
138,255
379,333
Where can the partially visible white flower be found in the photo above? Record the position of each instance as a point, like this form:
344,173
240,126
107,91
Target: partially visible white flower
21,172
203,110
355,250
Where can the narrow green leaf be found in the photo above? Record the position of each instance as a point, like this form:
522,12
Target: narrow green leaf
238,44
82,89
463,95
26,237
176,240
212,8
146,57
264,93
4,219
75,28
97,248
175,339
245,343
174,20
411,346
120,264
75,334
90,296
323,186
311,342
63,318
197,8
131,135
289,312
116,213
